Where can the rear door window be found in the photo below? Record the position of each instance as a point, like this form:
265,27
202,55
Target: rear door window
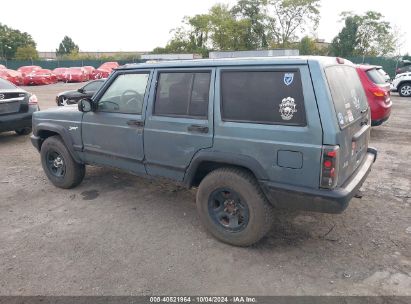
183,94
264,97
347,93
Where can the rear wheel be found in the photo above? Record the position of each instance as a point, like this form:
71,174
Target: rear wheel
233,208
58,164
23,131
405,89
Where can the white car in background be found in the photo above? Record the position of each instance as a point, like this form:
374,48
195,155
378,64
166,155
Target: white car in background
402,84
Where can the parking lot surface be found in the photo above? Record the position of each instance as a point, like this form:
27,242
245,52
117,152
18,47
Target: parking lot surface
117,234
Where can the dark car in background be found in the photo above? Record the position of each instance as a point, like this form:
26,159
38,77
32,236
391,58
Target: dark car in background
404,66
377,90
16,108
86,91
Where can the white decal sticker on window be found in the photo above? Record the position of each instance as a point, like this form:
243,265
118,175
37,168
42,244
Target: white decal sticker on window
355,99
288,78
288,108
340,118
350,116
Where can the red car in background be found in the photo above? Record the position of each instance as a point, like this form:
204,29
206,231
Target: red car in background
76,74
60,73
12,76
40,77
378,93
24,70
2,67
90,70
105,69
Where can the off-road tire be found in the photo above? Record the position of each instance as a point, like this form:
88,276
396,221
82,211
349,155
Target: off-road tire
23,131
246,185
74,172
406,84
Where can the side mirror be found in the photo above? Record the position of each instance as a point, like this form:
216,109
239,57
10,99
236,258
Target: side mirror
85,105
81,90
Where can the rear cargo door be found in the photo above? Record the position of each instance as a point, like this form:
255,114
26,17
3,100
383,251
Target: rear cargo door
353,117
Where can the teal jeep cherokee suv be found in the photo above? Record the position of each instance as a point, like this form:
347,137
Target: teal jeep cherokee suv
253,134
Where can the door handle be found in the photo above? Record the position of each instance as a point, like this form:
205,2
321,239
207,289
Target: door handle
135,123
197,128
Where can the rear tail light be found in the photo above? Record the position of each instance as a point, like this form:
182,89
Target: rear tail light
378,92
329,166
33,100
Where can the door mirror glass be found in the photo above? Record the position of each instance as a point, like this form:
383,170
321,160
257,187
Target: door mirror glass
81,90
85,105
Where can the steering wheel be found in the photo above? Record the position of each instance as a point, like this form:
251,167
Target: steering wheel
130,96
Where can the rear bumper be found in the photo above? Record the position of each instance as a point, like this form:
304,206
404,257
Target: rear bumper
379,122
11,122
320,200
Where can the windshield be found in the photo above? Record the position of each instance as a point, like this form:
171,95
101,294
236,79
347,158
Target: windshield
347,93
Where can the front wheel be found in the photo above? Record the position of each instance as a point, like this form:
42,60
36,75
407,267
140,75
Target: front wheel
58,164
233,208
405,90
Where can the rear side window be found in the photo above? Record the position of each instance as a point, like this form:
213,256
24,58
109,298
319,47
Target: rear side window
347,93
183,94
265,97
376,76
5,85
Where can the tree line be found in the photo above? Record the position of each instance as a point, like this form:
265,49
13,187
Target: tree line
247,25
267,24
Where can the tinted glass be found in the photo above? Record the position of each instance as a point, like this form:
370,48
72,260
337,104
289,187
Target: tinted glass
347,93
125,94
376,76
93,86
5,85
183,94
268,97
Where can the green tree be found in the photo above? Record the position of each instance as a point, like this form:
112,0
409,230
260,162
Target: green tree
26,53
307,46
11,40
344,44
67,46
226,32
254,11
288,18
365,35
248,25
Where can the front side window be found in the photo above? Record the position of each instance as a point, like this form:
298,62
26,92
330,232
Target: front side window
125,94
183,94
264,97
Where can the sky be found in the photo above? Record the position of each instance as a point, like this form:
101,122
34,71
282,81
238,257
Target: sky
127,25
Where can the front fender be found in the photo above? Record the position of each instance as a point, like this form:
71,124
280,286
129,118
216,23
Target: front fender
45,129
